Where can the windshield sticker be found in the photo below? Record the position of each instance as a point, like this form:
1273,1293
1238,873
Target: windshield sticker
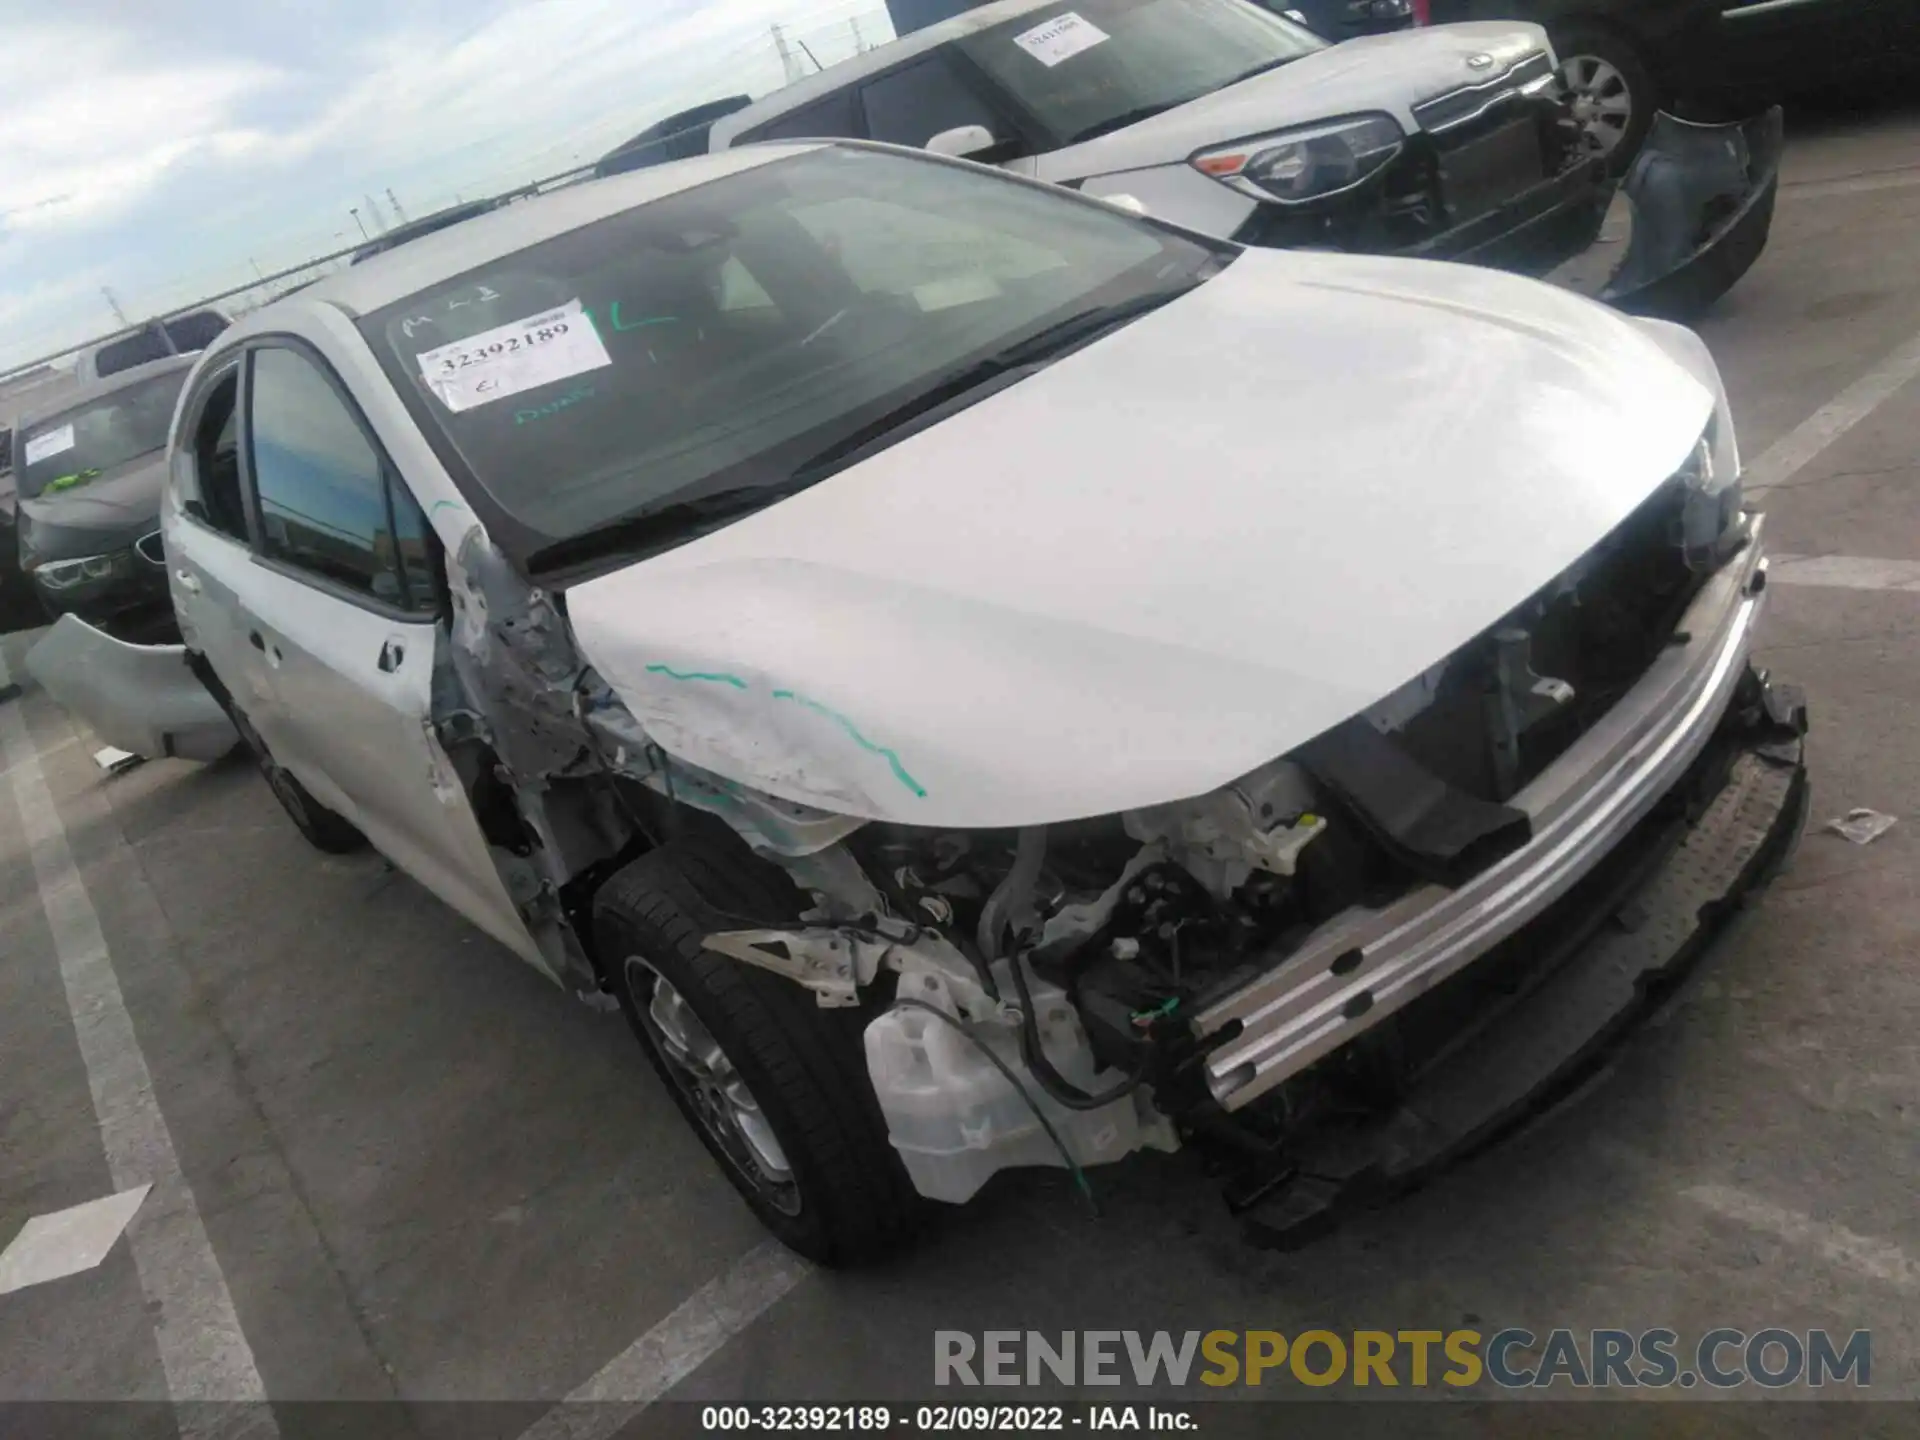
539,350
1060,38
53,442
955,290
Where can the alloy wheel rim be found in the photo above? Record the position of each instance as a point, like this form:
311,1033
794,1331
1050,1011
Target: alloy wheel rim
1602,101
704,1073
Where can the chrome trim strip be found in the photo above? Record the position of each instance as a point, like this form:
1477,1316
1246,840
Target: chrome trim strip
1764,7
158,555
1582,805
1502,87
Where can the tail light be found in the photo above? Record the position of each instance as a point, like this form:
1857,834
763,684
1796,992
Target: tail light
1423,12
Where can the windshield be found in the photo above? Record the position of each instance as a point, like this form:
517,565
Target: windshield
1088,67
83,443
741,334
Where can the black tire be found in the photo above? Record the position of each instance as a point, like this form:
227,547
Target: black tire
1613,60
326,830
847,1200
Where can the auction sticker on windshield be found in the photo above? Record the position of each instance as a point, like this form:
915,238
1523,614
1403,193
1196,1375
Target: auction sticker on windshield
1060,38
54,442
553,345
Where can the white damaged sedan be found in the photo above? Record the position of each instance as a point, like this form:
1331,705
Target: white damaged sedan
988,680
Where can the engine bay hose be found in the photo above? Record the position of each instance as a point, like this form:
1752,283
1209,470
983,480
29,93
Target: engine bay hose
1051,1080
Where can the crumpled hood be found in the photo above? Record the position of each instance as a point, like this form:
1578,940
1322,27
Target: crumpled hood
1374,73
100,515
1162,561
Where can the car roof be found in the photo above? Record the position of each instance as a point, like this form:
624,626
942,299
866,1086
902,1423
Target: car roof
838,77
405,270
77,395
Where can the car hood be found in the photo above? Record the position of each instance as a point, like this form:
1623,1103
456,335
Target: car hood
107,513
1384,73
1162,561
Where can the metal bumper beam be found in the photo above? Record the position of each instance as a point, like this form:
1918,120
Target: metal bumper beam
1365,964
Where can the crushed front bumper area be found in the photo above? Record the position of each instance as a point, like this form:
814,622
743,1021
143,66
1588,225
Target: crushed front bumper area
1452,1012
1527,1024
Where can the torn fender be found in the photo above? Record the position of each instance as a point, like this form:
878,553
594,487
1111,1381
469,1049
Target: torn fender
142,698
1701,200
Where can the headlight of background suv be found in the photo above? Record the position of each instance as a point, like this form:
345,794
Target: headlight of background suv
1310,163
66,574
1710,517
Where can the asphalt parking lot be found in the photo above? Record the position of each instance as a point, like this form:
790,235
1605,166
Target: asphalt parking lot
421,1173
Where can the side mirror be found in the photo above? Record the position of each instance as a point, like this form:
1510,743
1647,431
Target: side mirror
962,141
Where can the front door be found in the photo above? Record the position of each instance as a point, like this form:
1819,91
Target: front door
346,611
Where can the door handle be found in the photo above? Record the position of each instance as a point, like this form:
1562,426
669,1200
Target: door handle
391,654
189,582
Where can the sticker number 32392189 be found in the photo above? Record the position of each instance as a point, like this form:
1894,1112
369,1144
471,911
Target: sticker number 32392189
539,350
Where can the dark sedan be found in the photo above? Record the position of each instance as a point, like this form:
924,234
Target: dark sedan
1625,59
90,471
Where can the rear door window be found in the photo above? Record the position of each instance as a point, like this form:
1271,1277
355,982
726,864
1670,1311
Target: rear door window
210,489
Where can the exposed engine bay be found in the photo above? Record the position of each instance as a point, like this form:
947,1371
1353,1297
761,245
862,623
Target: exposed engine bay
1033,992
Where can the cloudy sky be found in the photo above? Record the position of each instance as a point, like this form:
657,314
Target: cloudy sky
163,148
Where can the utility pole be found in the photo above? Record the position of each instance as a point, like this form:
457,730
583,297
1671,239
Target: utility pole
394,200
787,62
114,305
373,209
859,40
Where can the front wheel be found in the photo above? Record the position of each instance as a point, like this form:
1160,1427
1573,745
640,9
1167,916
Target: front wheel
775,1086
1612,89
326,830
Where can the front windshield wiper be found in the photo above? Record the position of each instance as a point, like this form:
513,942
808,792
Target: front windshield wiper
1120,121
980,379
674,521
1147,112
1260,69
645,530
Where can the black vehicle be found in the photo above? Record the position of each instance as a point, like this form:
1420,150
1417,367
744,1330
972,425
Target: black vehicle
184,334
674,138
1346,19
425,225
1623,60
90,471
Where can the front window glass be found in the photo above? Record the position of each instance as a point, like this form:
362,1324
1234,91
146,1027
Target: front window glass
93,439
321,484
1089,67
726,338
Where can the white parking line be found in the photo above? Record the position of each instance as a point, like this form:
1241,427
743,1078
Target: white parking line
1867,184
1795,450
202,1350
1876,1259
1844,572
675,1348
